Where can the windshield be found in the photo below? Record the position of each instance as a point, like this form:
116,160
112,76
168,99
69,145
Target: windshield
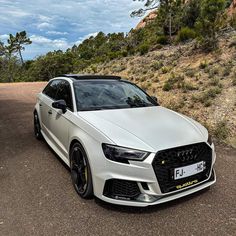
109,94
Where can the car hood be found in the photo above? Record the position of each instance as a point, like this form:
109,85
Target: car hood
148,128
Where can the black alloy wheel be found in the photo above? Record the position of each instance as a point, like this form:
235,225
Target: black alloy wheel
80,171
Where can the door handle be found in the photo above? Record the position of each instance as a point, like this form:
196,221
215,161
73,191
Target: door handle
40,104
50,112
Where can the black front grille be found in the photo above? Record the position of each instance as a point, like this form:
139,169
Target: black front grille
167,160
123,189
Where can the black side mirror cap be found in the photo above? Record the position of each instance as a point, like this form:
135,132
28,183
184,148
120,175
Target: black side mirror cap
155,99
60,104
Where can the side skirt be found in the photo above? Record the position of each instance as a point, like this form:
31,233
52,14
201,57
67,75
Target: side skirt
55,149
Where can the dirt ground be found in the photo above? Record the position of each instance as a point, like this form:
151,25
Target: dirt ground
37,198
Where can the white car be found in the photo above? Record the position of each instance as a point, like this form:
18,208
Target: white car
120,144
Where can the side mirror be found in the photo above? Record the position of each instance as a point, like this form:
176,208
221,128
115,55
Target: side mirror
155,99
60,104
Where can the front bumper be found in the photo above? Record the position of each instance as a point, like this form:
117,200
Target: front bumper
164,198
143,172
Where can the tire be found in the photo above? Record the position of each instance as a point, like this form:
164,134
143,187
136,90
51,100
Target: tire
81,172
37,127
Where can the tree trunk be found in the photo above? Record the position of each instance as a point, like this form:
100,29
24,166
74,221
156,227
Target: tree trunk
21,58
170,25
10,75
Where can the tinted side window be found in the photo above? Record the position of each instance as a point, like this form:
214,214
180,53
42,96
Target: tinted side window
64,92
51,89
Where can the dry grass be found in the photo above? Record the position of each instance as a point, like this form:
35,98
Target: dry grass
183,79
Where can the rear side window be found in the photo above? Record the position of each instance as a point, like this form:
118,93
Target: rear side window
51,89
64,92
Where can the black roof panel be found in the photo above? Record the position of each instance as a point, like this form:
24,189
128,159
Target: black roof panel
84,77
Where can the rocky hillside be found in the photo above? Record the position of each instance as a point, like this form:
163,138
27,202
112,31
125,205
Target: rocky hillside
185,79
146,20
232,8
151,16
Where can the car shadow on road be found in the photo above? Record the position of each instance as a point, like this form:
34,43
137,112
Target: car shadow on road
149,209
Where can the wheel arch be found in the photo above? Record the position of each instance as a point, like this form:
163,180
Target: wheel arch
37,110
76,140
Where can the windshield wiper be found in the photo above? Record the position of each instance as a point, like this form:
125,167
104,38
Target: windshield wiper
137,103
91,109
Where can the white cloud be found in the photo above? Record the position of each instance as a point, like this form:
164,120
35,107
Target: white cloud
53,43
81,39
16,13
44,25
39,39
75,20
52,32
44,18
4,37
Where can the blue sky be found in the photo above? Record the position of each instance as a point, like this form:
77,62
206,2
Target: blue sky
59,24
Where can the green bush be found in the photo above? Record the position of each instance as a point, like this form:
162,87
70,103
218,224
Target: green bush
186,34
167,86
165,70
113,55
170,83
212,92
163,40
157,65
144,48
124,53
187,87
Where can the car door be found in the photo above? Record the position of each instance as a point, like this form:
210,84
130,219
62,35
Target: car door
45,105
60,123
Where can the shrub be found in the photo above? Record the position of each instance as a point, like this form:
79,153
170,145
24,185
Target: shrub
221,130
167,86
186,34
206,97
226,71
144,48
212,92
213,71
113,55
203,65
214,82
157,65
165,69
207,103
234,81
124,53
163,40
190,73
187,87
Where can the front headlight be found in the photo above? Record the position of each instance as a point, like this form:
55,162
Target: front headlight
121,154
209,140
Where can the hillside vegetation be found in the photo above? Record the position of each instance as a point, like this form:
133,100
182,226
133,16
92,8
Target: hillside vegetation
189,64
200,85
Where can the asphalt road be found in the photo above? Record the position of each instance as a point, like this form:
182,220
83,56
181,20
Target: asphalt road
37,198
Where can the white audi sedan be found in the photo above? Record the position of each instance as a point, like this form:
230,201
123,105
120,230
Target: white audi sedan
120,144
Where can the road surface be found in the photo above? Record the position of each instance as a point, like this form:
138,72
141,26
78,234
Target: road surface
37,197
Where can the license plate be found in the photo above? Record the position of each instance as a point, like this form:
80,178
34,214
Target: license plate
183,172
